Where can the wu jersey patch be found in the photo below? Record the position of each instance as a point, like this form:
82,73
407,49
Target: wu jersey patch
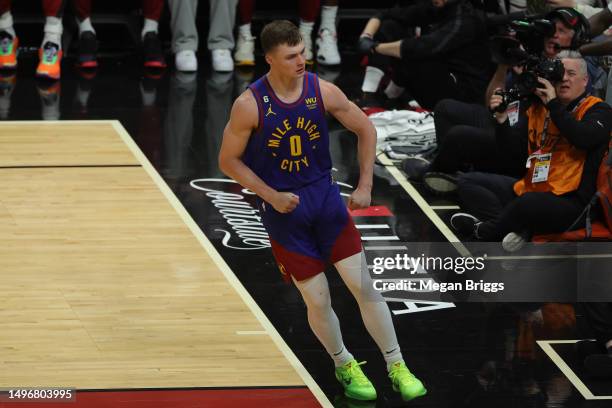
311,103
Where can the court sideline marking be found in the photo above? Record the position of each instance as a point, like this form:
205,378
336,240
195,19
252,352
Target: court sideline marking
567,371
423,205
223,267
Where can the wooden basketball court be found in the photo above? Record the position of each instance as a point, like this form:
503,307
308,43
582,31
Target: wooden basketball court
107,283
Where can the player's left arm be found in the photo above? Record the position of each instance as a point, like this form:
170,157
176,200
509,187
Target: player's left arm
353,118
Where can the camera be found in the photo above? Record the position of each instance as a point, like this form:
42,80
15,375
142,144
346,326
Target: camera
523,47
508,97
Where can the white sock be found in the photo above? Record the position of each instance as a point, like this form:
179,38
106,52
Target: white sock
245,30
6,23
372,79
374,310
149,25
306,28
85,25
392,356
53,31
328,18
321,317
342,357
393,90
148,96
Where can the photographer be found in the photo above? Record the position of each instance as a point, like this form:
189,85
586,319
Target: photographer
565,136
449,60
455,119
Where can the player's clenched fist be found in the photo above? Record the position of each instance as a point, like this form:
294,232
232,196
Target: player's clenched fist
285,202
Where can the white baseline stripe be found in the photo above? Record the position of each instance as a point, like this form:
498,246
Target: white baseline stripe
385,238
223,267
567,371
375,226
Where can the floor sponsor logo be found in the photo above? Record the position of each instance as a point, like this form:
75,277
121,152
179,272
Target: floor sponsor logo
244,222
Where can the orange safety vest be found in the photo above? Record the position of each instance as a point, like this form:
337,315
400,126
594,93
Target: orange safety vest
567,161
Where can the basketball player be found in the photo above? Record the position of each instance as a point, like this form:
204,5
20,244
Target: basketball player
276,144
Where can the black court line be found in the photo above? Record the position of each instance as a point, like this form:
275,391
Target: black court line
68,166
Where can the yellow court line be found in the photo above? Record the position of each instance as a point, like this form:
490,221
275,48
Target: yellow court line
567,371
222,265
423,205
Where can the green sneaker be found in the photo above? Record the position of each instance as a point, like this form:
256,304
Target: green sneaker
405,382
356,384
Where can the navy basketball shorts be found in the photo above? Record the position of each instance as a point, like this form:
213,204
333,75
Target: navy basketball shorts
317,232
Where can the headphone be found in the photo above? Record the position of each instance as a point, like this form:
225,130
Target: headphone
578,23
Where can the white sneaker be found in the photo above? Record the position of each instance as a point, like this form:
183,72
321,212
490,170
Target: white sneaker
186,61
222,60
513,242
308,55
327,48
245,51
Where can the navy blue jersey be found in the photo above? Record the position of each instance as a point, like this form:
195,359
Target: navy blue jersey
290,147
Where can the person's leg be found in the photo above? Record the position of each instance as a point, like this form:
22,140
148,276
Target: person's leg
220,34
484,196
184,33
152,47
389,31
340,243
599,317
222,15
9,42
429,82
244,55
464,145
151,10
308,11
326,327
88,45
538,213
327,41
50,52
182,24
451,112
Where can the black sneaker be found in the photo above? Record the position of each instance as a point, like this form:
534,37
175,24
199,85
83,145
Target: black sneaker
88,47
464,223
415,167
440,183
152,50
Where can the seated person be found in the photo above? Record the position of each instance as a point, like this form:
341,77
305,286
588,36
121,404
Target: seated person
449,60
598,363
565,136
466,132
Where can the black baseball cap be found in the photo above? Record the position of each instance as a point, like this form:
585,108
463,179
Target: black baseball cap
570,17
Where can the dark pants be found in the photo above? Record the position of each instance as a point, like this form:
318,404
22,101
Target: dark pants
491,198
465,134
598,315
428,81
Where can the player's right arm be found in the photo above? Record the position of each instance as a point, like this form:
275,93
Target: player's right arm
243,121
